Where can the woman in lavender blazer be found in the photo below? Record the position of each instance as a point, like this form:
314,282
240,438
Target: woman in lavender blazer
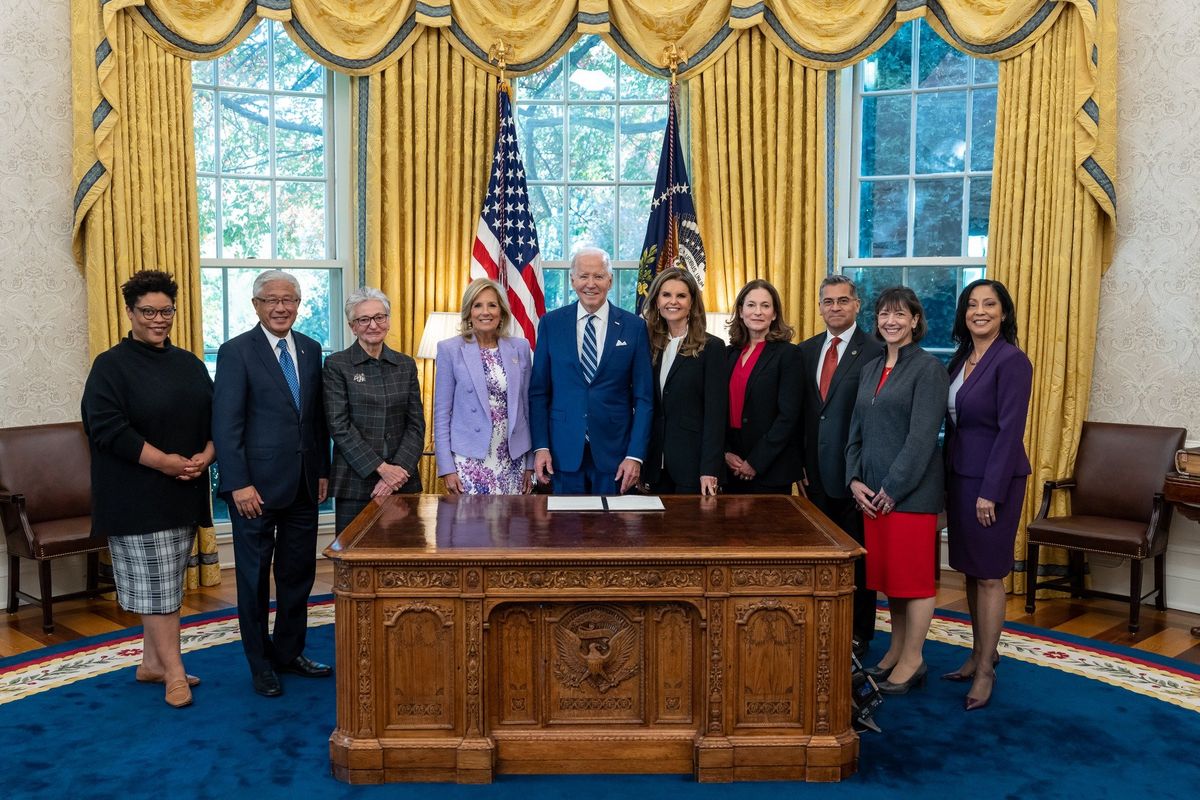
480,412
986,466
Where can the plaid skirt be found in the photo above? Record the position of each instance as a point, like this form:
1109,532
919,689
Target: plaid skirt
148,569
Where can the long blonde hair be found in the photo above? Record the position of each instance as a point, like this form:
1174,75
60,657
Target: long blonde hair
474,289
696,337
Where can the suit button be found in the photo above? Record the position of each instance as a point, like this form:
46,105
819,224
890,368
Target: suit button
822,416
477,429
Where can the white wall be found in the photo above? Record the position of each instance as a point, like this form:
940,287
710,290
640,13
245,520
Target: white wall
1147,362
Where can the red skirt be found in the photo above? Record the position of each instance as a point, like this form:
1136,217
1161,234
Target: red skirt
901,554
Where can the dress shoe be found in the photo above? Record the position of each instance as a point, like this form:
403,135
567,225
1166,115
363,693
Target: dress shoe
879,673
146,676
963,677
975,703
267,684
915,682
303,665
178,694
859,647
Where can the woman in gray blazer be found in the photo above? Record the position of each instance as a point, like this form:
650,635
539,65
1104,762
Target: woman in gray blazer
894,470
480,412
373,407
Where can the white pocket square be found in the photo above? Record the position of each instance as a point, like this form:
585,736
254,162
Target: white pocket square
620,343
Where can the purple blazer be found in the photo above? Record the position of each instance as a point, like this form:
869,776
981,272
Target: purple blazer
461,416
992,406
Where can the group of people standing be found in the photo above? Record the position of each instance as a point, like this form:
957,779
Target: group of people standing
608,402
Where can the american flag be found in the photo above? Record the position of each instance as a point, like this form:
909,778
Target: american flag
505,220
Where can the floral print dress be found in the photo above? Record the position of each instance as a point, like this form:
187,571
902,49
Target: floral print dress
498,472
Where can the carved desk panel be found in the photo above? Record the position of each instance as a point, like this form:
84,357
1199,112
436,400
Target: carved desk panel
485,634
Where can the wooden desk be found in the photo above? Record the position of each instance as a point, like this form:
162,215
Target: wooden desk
1185,495
481,634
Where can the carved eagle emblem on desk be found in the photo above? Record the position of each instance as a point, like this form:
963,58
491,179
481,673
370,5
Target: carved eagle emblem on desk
597,648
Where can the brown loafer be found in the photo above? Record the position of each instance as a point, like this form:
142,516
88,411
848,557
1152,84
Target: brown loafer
146,676
178,694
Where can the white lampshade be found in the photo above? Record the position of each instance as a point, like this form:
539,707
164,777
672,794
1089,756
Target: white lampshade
715,323
440,325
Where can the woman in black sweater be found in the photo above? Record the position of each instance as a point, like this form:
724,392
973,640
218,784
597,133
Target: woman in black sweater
147,409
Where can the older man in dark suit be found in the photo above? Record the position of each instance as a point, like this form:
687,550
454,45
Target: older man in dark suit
273,458
832,361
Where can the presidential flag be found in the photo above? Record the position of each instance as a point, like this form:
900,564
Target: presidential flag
506,244
672,236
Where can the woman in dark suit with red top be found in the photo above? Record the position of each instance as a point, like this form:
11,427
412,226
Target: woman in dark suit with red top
986,466
764,395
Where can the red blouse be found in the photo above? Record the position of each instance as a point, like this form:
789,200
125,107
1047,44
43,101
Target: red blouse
737,383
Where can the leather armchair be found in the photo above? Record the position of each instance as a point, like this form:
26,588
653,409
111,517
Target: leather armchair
1117,508
46,508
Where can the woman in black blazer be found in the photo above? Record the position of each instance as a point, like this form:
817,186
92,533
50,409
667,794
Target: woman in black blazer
764,379
687,433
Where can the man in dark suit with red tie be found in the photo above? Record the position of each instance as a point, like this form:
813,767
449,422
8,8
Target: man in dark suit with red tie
832,361
273,459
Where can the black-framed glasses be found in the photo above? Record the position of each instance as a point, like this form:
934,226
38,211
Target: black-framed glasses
289,302
363,322
149,312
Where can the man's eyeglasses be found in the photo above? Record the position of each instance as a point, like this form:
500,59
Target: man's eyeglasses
363,322
289,302
149,313
842,302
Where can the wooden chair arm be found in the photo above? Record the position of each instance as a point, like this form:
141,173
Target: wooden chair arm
11,498
1047,490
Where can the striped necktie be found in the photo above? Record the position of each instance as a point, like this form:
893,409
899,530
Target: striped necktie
589,359
289,372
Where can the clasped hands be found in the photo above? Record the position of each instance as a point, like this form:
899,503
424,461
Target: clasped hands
391,479
871,503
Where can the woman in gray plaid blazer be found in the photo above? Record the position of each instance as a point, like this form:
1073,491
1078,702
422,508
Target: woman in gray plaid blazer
373,407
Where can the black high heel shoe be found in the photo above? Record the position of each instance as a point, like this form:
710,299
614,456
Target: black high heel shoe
915,682
879,673
963,677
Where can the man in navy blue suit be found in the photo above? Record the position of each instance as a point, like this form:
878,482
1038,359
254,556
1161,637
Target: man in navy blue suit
273,459
591,394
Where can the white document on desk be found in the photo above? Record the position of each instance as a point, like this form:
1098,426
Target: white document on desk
634,502
574,503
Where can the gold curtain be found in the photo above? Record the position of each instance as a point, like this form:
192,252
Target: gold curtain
431,119
1048,242
146,216
758,168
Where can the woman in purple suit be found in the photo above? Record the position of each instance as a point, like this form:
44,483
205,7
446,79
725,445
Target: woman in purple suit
986,467
480,415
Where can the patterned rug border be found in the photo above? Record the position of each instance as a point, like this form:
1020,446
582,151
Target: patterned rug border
1174,682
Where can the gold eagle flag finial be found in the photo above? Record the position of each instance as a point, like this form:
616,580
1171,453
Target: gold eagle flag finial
673,56
498,54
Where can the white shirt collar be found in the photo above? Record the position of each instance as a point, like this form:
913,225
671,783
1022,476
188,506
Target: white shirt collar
274,340
601,313
844,335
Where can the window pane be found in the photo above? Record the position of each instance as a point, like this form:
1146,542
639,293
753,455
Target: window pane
212,292
203,72
986,71
883,219
941,132
593,70
301,213
245,218
624,291
870,282
593,143
637,85
591,217
206,205
977,224
312,319
245,142
544,85
548,208
239,291
937,288
247,66
940,64
635,212
642,129
890,67
206,129
541,132
937,222
558,288
983,128
294,70
300,136
886,125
